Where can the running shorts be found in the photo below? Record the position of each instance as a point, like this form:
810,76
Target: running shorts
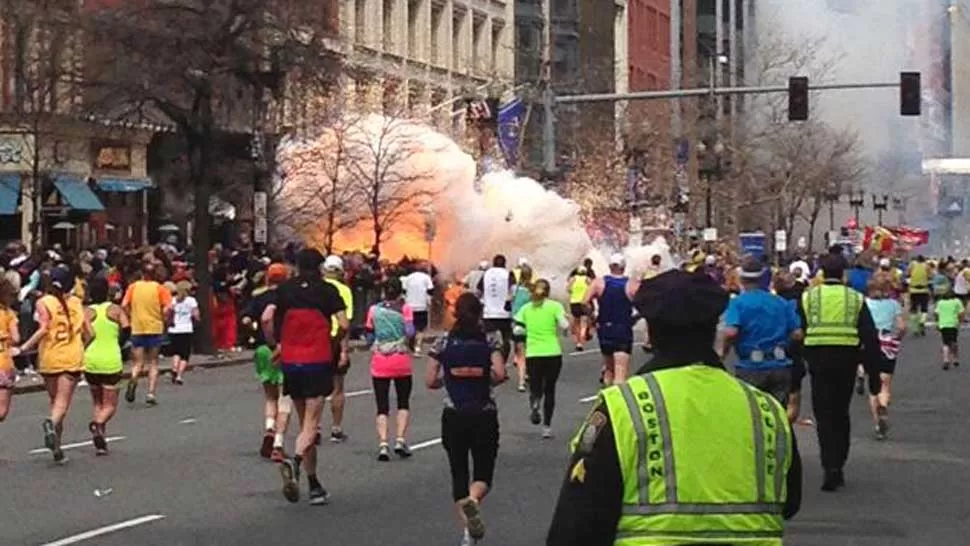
577,310
949,335
887,366
147,341
919,303
266,372
420,321
180,345
302,382
102,379
608,347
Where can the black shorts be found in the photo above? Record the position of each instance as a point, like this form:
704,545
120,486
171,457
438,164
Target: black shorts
610,346
577,310
887,366
301,382
102,379
420,321
337,350
949,335
919,303
179,345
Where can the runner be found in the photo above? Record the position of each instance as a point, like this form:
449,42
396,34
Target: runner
468,364
148,304
576,285
418,288
276,405
102,359
333,272
304,308
614,319
540,321
918,279
496,287
182,331
523,293
9,338
63,332
890,322
949,314
390,329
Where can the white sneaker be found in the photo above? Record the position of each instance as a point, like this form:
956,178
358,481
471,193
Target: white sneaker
546,433
82,383
466,539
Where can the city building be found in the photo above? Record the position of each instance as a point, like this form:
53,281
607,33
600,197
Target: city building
423,57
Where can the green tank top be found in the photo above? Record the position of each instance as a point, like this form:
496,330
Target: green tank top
578,290
103,355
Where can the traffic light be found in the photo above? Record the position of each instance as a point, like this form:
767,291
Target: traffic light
909,93
797,98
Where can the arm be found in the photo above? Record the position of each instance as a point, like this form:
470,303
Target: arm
268,321
13,332
594,291
408,314
561,319
432,376
795,325
117,314
87,330
732,320
591,497
498,374
43,320
871,350
900,321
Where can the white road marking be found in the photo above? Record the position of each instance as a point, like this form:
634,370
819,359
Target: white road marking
423,445
74,539
588,399
65,447
353,394
188,421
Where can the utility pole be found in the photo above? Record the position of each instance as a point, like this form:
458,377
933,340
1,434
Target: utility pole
548,98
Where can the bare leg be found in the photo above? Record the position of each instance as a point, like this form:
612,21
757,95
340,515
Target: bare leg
520,363
5,399
137,363
382,428
402,423
109,405
271,396
621,367
152,355
337,402
309,411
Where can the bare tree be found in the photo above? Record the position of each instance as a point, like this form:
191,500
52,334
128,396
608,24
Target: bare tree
202,66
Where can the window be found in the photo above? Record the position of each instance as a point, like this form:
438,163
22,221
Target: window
436,31
414,14
360,21
478,31
389,101
652,27
664,34
525,38
457,26
497,29
387,16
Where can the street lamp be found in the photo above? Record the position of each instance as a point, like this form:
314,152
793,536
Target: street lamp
831,196
711,167
857,200
880,206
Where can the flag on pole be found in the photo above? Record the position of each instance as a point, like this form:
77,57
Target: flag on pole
510,117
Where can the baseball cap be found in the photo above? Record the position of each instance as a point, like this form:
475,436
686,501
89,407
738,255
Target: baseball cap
617,259
62,278
333,263
276,273
884,262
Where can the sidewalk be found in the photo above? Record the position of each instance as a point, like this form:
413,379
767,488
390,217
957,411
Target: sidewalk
26,384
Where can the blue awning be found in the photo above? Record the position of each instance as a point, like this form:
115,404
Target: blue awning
77,193
9,193
124,184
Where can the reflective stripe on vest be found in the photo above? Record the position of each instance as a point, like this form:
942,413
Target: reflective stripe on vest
659,512
831,314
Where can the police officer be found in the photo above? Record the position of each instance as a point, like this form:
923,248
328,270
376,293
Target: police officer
683,452
837,323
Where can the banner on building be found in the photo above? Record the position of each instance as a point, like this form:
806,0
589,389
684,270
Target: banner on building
510,117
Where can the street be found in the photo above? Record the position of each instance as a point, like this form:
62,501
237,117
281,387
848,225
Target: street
187,472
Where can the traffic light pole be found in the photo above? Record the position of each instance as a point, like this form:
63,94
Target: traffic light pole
550,100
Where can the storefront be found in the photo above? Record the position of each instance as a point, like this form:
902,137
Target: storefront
76,183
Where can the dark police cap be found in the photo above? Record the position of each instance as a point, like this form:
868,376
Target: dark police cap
681,299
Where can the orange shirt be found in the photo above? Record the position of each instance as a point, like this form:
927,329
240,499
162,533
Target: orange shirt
148,301
62,349
8,321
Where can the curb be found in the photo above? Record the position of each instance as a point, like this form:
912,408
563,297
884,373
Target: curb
234,361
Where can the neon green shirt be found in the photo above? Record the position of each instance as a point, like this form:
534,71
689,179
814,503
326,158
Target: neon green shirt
542,323
948,313
348,297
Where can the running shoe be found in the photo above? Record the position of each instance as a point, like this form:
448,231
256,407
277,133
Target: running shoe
178,380
318,495
521,388
290,472
466,539
266,449
882,426
174,377
946,366
130,392
956,364
277,456
316,439
384,453
534,416
50,434
579,348
546,433
59,456
82,383
402,449
337,436
97,438
880,435
473,517
151,400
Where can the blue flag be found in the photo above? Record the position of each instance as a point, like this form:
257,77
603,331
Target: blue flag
510,117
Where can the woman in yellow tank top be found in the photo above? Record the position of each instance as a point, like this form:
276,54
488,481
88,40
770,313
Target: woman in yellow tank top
63,333
9,338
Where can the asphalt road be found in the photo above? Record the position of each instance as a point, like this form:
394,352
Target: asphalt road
187,472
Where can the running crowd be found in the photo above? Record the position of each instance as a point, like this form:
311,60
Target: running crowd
85,310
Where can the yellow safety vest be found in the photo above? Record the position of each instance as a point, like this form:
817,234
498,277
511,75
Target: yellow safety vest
831,314
676,488
919,278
